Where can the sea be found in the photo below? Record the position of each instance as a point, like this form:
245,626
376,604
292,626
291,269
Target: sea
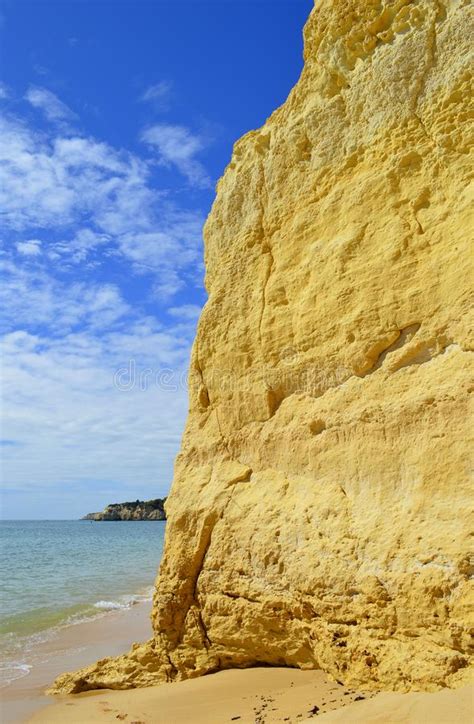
59,573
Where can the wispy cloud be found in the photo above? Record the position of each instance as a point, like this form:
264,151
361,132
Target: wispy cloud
51,180
49,104
158,95
31,247
32,297
97,198
61,402
41,70
95,259
178,146
73,423
185,311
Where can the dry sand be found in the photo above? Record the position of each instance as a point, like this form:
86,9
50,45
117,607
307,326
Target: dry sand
449,706
245,696
258,696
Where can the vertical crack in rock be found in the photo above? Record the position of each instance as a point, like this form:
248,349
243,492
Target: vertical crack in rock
266,248
268,256
223,438
438,12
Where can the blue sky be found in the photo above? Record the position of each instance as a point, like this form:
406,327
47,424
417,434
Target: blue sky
117,120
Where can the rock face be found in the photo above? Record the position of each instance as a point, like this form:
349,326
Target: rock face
319,511
139,510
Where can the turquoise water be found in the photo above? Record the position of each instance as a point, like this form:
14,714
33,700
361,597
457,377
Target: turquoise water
56,573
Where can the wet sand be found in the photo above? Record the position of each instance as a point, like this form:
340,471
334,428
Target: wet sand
71,648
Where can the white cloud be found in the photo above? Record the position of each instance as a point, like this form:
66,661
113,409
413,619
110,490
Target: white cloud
98,394
98,203
168,286
32,296
61,183
4,94
158,95
85,243
81,218
31,247
185,311
47,102
34,187
174,247
76,420
178,146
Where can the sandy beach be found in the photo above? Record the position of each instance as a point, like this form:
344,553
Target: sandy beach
262,695
72,647
259,696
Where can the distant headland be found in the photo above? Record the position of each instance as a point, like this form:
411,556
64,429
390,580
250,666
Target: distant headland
138,510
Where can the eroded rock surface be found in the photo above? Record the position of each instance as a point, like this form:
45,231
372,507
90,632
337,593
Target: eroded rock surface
319,511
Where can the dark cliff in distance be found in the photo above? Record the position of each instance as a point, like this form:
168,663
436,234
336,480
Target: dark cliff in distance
139,510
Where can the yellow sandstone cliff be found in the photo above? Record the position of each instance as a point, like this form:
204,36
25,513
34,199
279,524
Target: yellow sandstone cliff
319,511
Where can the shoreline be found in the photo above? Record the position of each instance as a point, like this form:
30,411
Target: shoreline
259,695
71,647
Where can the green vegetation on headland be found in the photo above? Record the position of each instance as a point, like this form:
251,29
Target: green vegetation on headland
139,510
